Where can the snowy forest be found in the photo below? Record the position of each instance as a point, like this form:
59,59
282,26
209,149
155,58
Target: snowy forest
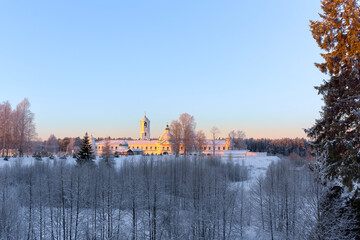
162,197
309,192
168,197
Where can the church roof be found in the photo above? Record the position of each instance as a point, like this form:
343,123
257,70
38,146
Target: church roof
165,136
142,141
210,142
114,142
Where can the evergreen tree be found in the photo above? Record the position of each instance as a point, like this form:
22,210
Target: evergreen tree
85,154
336,135
338,35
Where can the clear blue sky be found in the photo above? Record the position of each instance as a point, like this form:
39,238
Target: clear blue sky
96,66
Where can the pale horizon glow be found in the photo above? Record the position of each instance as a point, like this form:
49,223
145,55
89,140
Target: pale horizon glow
95,67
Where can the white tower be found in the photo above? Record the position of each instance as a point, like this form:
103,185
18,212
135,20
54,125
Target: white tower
145,128
93,144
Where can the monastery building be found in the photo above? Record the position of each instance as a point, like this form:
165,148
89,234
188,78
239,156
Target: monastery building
162,146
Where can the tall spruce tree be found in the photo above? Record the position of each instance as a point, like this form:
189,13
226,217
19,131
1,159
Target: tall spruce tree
336,135
85,154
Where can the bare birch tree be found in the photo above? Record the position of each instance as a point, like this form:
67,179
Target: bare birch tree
238,139
24,127
176,132
200,141
188,131
5,119
52,144
214,132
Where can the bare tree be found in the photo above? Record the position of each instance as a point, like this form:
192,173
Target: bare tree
107,157
238,139
52,144
24,129
176,132
71,146
214,132
200,141
188,131
183,133
5,118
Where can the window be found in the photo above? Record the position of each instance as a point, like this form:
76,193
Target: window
146,148
150,148
223,148
181,148
163,148
167,148
218,148
112,147
209,148
145,125
96,147
137,147
228,148
155,148
116,148
145,134
204,148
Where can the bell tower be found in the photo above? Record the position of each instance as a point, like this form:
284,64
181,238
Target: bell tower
145,128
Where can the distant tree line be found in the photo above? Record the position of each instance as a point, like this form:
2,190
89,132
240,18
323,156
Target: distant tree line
17,128
65,146
284,146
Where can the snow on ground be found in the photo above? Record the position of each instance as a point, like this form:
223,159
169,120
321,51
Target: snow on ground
28,161
257,166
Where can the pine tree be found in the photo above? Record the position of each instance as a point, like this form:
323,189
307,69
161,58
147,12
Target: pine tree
85,154
336,135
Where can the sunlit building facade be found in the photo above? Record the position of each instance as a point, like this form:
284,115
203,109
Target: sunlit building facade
161,146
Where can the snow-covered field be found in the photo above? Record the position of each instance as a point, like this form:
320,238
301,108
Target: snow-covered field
257,166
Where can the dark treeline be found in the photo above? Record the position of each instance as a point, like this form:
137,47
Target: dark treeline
284,146
53,145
